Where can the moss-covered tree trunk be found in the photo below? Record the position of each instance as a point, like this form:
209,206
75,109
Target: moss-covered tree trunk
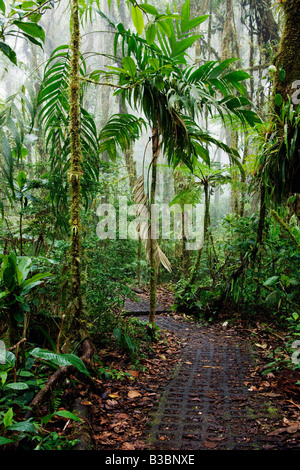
288,57
286,84
74,312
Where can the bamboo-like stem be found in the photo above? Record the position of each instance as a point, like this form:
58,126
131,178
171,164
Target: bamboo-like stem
153,262
205,230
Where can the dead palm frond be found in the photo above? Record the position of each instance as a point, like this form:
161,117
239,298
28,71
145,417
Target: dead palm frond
141,198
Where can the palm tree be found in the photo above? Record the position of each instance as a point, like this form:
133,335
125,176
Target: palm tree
156,80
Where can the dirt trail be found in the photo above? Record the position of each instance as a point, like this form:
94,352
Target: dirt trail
207,403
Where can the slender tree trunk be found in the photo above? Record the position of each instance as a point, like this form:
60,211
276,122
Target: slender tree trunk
139,256
74,313
261,222
205,229
153,262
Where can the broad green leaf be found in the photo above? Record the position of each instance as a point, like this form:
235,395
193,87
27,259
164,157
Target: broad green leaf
150,34
186,10
60,360
33,40
181,46
3,377
278,99
10,359
154,63
28,5
5,440
117,69
148,9
236,76
24,263
271,281
164,27
7,50
21,179
23,426
187,25
281,75
3,294
138,19
2,6
30,28
9,279
220,67
129,65
8,417
17,386
68,414
273,297
36,279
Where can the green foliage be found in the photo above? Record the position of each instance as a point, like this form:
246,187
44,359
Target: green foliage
16,396
21,19
15,284
53,101
153,81
119,132
60,360
278,148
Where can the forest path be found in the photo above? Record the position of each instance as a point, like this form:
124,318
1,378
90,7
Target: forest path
206,404
209,402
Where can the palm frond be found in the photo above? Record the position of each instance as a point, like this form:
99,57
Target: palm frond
140,197
119,132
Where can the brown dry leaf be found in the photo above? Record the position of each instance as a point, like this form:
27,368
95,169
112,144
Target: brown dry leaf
127,446
110,403
103,435
123,416
210,444
134,373
114,395
86,403
134,394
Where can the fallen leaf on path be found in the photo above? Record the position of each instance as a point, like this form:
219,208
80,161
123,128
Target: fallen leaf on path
127,446
134,394
263,346
86,403
210,444
134,373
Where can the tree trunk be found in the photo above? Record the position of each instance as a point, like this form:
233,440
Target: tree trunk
288,87
205,229
288,56
153,263
261,222
74,313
